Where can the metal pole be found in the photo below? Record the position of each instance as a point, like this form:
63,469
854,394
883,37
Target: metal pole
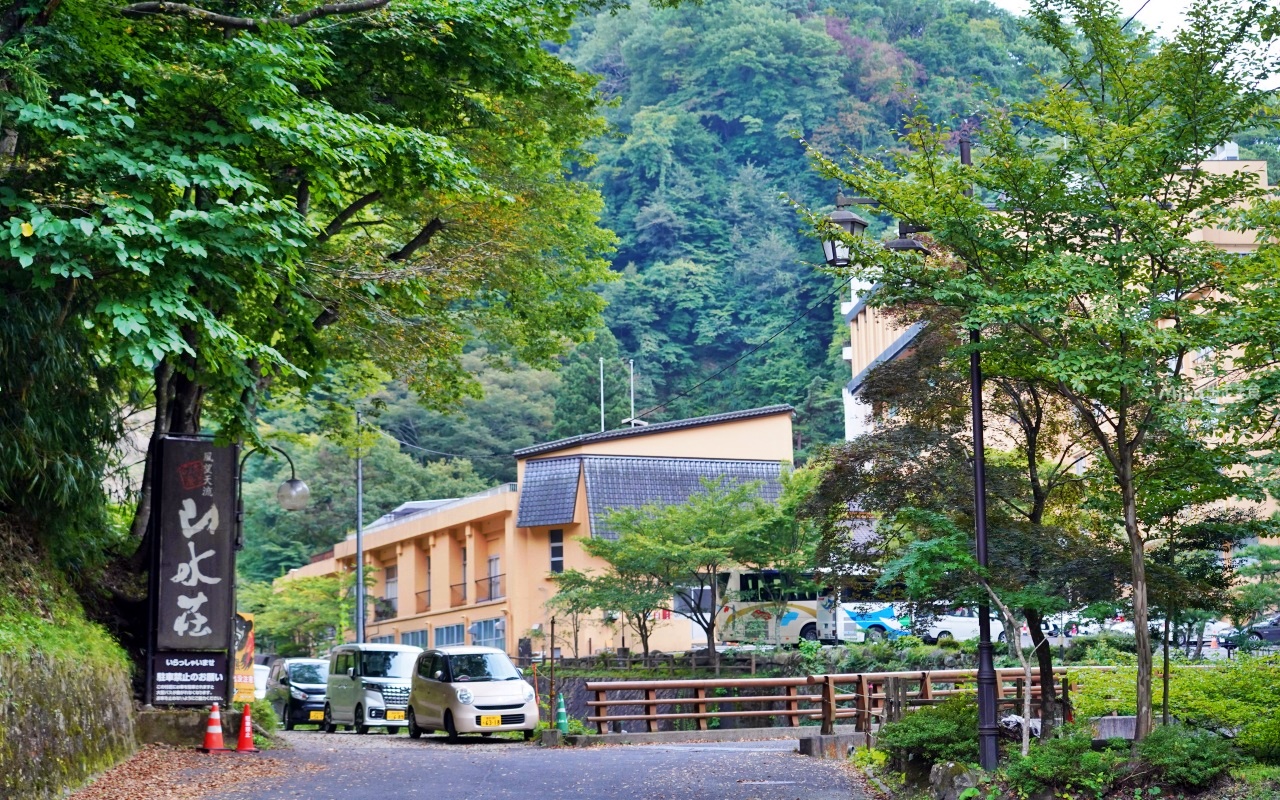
988,752
631,368
360,601
602,394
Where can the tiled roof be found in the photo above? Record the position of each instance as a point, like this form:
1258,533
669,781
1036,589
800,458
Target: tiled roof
549,492
890,353
632,481
657,427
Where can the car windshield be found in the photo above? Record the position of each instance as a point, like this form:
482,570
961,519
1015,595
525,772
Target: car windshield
308,673
482,667
387,664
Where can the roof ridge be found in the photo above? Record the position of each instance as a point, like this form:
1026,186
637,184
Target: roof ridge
657,427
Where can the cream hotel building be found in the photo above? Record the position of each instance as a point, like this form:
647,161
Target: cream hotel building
476,570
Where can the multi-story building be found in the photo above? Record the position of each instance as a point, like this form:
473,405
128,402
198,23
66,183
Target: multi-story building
476,569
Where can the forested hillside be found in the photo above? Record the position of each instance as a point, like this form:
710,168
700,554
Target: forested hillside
708,104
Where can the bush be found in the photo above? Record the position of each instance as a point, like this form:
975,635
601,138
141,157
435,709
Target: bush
945,732
1261,739
1186,756
1067,765
264,717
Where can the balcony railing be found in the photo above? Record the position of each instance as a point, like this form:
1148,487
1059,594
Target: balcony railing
384,608
424,601
489,588
458,594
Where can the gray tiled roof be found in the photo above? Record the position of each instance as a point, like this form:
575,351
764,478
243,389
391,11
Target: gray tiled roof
632,481
549,492
657,427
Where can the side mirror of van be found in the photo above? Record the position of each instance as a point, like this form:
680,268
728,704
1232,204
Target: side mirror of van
351,672
438,675
284,680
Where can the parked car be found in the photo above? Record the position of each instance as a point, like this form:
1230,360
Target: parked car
260,681
296,690
368,686
1268,630
960,624
470,690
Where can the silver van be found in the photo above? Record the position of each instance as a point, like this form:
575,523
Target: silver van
368,686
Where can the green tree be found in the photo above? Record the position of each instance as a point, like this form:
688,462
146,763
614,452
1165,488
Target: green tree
1084,277
1260,590
684,548
304,617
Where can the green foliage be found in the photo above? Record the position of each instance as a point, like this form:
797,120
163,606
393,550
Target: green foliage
277,540
1187,757
301,616
1231,698
1039,242
944,732
1066,764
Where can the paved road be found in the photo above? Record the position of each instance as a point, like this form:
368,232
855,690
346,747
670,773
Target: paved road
343,766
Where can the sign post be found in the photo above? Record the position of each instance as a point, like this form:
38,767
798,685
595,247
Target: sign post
193,572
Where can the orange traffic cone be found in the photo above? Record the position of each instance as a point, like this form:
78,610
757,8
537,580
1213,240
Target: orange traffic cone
245,743
213,733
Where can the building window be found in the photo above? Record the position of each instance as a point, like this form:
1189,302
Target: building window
415,638
489,633
557,550
450,634
382,640
391,584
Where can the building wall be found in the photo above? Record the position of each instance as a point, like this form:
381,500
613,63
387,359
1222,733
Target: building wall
427,549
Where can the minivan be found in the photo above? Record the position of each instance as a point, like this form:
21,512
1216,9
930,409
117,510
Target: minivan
368,686
470,690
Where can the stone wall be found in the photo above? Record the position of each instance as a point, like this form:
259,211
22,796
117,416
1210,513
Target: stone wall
61,720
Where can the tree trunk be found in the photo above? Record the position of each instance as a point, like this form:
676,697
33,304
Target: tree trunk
711,624
1044,660
1164,678
1141,634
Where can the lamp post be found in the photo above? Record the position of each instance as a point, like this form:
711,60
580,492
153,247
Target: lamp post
292,495
360,599
838,256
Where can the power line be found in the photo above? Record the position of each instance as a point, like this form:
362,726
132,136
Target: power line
441,452
750,352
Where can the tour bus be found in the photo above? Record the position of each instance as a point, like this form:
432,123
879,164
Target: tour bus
773,608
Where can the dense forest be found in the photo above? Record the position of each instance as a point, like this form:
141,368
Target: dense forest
718,297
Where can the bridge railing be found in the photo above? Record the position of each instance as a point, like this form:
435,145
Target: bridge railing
869,699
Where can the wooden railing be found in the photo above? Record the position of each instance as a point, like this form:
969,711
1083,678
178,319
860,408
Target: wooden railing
866,698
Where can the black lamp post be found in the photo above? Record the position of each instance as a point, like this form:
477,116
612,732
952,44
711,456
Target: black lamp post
988,753
292,495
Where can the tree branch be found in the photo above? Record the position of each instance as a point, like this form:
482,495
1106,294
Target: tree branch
248,23
334,227
418,242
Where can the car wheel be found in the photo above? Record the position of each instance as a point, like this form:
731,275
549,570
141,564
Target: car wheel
1257,637
393,730
288,722
943,635
875,633
360,726
1000,638
809,633
414,731
327,726
528,735
450,729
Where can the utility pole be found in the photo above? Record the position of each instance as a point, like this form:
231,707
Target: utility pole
360,601
631,369
602,394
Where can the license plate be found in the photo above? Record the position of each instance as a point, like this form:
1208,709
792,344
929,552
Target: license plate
316,716
490,720
395,715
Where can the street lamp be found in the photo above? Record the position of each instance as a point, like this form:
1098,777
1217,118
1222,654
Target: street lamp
988,753
292,495
837,250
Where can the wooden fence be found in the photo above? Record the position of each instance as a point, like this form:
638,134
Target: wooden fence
869,699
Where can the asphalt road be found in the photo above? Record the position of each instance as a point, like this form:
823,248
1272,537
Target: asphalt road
344,766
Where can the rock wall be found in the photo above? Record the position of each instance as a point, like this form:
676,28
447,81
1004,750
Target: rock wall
61,720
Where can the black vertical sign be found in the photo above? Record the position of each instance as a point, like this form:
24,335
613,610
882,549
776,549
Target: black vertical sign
194,515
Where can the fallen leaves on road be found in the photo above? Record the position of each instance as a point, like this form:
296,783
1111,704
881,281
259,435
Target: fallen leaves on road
160,772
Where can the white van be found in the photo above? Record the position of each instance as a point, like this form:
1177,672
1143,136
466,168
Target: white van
368,686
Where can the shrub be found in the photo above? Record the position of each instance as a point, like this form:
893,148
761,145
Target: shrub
1186,756
1261,739
1067,765
945,732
